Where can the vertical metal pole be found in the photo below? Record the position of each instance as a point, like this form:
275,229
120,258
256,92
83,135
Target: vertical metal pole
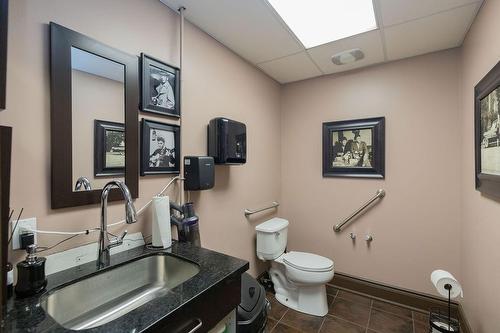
179,100
449,310
448,287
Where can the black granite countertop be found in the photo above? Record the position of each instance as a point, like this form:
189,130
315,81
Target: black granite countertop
27,315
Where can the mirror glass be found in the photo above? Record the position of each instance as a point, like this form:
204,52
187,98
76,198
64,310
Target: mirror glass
98,120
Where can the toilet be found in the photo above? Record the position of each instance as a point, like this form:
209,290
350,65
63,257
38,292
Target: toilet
299,278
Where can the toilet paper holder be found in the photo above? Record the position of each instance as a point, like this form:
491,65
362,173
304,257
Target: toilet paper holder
441,321
444,282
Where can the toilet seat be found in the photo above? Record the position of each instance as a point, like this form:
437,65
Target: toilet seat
307,262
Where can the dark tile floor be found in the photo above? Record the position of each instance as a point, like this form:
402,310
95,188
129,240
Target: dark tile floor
348,313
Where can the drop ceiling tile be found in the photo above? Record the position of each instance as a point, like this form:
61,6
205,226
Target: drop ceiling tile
254,31
399,11
291,68
370,43
431,33
247,27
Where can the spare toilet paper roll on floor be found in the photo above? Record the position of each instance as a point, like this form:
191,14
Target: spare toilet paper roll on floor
440,278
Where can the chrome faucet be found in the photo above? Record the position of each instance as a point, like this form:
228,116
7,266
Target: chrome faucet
83,181
105,244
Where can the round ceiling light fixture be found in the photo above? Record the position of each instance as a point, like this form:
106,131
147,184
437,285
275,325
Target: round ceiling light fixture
347,57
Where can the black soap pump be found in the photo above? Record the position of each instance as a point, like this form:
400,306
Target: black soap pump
31,278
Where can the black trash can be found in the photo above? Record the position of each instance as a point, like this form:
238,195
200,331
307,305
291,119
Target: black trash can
252,311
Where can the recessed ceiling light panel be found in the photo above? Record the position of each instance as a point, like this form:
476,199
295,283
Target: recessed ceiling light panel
317,22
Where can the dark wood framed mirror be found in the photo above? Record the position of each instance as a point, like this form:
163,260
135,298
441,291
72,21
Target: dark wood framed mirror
4,19
90,80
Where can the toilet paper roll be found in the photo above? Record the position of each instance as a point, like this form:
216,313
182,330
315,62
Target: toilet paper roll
161,222
440,278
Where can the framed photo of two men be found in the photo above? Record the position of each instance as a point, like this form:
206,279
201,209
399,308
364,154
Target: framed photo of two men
354,148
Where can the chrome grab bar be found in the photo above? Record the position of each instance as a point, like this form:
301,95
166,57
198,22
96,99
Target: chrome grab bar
379,195
249,212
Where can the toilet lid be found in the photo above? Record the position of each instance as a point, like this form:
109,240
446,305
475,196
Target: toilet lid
308,262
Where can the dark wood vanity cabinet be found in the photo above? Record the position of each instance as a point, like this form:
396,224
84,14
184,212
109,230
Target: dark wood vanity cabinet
209,309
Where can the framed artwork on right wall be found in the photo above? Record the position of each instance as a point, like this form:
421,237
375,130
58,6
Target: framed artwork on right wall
487,132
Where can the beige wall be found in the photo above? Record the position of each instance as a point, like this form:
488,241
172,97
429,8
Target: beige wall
480,250
216,83
415,227
93,98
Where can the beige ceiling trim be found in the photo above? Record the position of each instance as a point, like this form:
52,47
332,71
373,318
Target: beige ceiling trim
378,18
314,62
437,13
278,58
478,8
280,21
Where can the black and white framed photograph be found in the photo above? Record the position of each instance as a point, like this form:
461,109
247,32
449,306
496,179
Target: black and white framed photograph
487,132
354,148
160,89
109,148
160,148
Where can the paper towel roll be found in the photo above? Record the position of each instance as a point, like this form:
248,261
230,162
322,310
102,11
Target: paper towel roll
162,234
440,278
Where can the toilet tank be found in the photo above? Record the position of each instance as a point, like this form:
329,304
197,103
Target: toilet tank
271,238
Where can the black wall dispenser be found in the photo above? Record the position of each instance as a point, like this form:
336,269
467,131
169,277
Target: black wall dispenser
227,141
199,173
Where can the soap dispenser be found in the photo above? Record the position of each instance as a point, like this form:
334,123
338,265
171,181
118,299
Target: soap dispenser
31,278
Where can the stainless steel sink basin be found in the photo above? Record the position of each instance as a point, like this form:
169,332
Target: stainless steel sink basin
109,295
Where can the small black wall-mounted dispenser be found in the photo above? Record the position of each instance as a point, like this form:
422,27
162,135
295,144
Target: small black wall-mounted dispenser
227,141
199,173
